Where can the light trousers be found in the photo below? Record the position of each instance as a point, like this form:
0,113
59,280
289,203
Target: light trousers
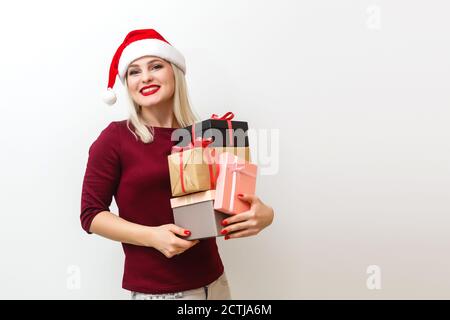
216,290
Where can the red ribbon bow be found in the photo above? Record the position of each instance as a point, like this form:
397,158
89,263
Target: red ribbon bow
227,117
198,143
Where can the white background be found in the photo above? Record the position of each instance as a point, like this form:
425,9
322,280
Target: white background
358,91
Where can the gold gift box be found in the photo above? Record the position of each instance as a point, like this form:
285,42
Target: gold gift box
198,165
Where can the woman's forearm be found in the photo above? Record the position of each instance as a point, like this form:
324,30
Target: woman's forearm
113,227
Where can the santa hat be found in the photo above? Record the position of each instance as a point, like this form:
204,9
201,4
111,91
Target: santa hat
139,43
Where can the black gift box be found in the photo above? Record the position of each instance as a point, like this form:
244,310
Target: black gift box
218,130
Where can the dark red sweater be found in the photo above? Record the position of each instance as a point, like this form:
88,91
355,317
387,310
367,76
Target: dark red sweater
137,175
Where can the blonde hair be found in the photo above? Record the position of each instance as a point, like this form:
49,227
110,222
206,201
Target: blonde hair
181,108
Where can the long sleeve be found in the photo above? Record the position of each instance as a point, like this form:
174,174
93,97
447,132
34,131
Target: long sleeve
136,174
102,175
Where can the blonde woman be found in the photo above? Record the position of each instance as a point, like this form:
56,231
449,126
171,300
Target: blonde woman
129,161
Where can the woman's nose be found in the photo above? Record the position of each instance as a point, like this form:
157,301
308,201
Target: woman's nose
146,76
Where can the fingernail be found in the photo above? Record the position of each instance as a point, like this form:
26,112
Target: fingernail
187,232
224,222
240,195
227,237
224,231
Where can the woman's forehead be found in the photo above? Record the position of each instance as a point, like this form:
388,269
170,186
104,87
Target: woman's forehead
144,60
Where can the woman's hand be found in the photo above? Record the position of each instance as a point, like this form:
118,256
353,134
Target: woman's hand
250,222
164,238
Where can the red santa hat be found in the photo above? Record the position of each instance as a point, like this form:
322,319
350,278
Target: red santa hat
137,44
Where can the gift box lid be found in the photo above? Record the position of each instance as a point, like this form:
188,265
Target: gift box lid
218,124
213,128
192,198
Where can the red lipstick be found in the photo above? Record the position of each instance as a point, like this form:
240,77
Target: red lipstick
153,89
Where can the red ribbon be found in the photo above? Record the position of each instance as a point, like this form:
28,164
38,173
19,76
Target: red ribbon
227,117
198,143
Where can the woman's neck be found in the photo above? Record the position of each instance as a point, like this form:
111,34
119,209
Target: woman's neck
159,117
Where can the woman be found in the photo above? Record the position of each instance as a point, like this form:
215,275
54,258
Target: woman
129,161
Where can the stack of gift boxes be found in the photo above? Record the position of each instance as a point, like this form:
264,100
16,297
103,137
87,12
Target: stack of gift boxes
209,166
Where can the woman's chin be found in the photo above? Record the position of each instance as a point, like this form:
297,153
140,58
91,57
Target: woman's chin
154,102
146,103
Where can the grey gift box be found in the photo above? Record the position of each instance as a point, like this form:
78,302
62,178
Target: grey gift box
195,212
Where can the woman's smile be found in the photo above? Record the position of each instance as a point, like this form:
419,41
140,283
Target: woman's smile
149,90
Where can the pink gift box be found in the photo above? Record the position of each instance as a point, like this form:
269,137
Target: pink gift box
235,176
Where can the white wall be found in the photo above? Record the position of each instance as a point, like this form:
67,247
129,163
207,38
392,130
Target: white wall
358,92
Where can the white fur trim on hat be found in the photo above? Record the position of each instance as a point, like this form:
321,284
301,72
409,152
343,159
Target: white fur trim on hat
149,47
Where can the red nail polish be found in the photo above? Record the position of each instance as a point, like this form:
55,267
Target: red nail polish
224,231
187,232
224,222
240,195
227,237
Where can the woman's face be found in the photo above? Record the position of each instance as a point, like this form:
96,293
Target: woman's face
150,81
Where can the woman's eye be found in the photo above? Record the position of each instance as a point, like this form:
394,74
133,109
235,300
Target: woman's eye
156,66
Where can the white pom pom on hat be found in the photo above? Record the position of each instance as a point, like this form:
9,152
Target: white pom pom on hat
109,97
137,44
